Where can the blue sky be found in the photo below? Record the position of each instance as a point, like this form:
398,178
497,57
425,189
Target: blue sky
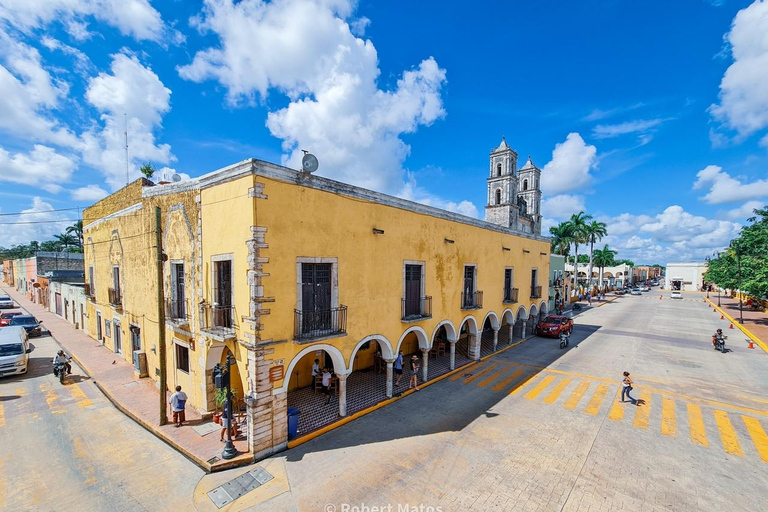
652,117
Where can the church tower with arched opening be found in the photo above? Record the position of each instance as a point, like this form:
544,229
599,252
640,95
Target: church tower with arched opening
501,207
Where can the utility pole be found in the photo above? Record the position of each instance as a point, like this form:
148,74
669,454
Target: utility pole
161,318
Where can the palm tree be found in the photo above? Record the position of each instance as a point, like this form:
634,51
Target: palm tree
595,232
65,240
604,258
578,227
77,229
561,238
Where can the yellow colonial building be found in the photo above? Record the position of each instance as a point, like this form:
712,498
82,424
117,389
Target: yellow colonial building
280,268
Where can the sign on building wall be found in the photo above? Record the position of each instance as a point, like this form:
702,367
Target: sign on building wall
276,373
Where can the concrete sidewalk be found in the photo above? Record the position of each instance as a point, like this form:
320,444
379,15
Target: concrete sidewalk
755,322
137,398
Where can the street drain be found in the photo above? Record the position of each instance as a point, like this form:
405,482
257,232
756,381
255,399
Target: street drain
240,486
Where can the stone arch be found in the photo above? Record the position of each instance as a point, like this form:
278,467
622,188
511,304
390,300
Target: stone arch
450,331
525,184
421,335
495,323
534,311
608,275
508,316
339,365
498,196
543,308
523,315
498,169
384,343
471,324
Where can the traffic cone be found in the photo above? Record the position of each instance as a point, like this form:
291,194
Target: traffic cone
722,317
751,344
714,310
659,297
731,327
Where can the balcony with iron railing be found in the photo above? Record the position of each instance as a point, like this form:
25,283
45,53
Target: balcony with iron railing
89,292
313,325
219,321
535,292
472,300
115,299
510,295
416,308
177,310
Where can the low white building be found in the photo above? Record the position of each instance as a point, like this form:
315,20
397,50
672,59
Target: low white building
613,277
68,301
686,276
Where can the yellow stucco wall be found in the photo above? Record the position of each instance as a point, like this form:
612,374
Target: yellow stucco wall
305,222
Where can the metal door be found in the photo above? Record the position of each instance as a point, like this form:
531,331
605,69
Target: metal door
315,296
412,290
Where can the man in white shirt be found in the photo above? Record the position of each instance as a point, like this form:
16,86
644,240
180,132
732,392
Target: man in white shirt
315,373
178,402
63,359
327,384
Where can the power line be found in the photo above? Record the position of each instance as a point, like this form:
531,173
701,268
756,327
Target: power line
41,211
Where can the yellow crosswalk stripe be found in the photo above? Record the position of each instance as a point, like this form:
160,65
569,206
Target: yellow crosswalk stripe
52,399
538,388
696,423
479,374
22,392
495,375
597,400
556,391
518,388
2,416
576,396
79,396
727,433
617,409
668,417
759,439
508,380
642,411
458,375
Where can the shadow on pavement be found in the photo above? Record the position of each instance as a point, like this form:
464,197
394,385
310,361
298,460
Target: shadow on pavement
451,404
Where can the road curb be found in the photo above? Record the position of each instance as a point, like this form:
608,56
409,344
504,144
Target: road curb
741,327
333,426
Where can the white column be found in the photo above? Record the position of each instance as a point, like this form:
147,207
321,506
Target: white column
474,347
342,383
453,354
424,363
511,332
495,338
389,377
522,331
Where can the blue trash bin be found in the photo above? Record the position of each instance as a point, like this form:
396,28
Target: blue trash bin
293,422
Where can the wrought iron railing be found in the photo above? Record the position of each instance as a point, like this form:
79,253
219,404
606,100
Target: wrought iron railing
535,292
510,295
176,309
472,300
89,292
318,324
219,317
115,298
416,307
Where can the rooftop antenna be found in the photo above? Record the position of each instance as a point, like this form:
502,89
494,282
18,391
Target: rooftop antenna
125,118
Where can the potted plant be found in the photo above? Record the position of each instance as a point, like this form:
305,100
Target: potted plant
219,399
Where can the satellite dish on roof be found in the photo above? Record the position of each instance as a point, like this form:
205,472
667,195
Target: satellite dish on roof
176,177
309,162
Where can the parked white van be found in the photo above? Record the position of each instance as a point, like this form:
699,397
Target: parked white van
14,350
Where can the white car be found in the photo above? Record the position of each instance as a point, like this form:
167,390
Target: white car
645,289
676,295
6,302
635,291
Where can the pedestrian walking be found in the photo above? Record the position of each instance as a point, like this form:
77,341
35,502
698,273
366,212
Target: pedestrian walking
415,367
327,385
178,403
626,387
398,368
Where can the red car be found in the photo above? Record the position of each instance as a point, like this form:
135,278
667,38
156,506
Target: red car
553,325
5,317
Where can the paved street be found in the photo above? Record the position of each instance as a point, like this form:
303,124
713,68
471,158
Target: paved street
537,428
67,448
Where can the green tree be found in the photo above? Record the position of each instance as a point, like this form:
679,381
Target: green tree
561,239
595,232
77,230
578,226
66,240
604,258
147,170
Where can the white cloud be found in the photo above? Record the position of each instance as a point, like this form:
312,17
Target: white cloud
570,165
133,89
640,126
39,222
725,189
307,51
673,234
745,211
82,62
28,94
89,193
562,206
412,192
136,18
743,93
40,167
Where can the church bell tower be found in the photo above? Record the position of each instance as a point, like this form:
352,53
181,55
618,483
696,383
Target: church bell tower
501,207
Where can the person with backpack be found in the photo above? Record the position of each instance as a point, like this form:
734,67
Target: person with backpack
178,403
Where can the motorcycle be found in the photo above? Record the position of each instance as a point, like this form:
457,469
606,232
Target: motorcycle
719,343
564,340
60,371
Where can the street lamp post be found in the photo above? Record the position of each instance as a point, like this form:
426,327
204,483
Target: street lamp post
716,254
704,281
221,378
737,249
